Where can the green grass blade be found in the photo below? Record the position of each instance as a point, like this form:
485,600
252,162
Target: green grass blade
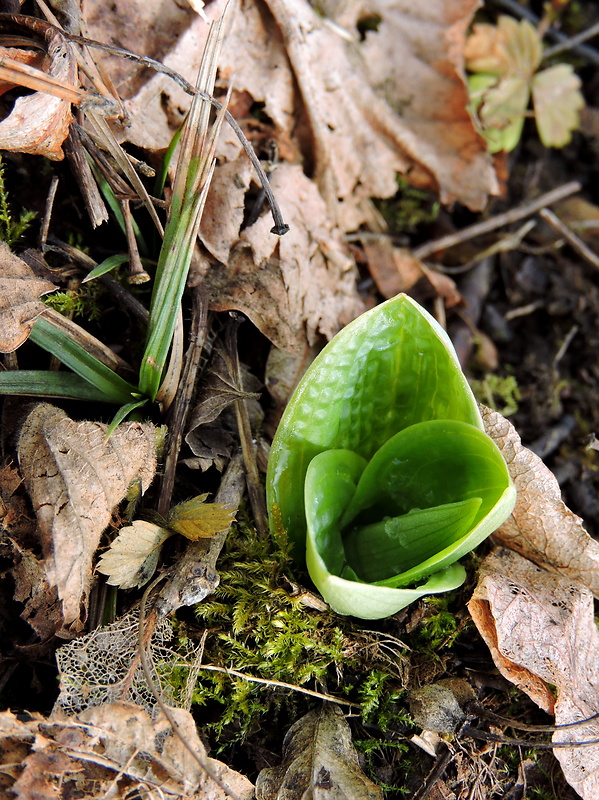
42,383
72,355
105,266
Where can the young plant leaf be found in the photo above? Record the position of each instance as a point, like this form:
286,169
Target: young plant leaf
380,470
197,519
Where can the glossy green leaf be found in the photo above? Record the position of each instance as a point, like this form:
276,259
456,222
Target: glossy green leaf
380,470
391,368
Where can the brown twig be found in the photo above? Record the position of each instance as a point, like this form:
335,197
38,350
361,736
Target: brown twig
507,218
45,227
180,409
573,240
254,485
137,273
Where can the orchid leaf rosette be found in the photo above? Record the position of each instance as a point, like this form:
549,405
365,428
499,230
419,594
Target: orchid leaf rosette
380,470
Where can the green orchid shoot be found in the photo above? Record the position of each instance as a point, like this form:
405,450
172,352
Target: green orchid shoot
380,471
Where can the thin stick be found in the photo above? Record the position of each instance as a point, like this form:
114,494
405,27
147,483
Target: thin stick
573,240
48,212
180,408
329,698
244,427
137,273
488,225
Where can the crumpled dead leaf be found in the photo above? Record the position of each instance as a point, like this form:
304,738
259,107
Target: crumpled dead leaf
20,290
319,761
75,477
212,427
293,288
111,750
354,109
541,630
39,122
392,100
542,528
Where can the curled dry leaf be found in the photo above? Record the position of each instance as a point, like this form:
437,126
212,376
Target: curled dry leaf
132,557
542,528
39,123
75,476
541,630
20,290
87,754
319,761
293,288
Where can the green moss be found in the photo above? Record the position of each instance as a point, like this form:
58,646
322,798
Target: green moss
11,230
498,392
256,625
438,628
409,208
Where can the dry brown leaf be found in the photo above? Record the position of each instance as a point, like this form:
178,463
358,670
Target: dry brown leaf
42,609
20,289
39,123
368,107
113,750
75,476
319,761
392,102
542,528
541,630
293,288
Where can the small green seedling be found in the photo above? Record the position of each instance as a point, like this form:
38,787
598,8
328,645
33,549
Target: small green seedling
505,61
381,472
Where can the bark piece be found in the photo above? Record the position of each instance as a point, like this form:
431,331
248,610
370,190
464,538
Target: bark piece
75,476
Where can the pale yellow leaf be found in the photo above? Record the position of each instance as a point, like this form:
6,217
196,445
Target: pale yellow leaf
541,631
502,112
509,48
131,559
557,100
196,519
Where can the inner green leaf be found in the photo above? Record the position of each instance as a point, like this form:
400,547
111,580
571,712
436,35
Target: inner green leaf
392,546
